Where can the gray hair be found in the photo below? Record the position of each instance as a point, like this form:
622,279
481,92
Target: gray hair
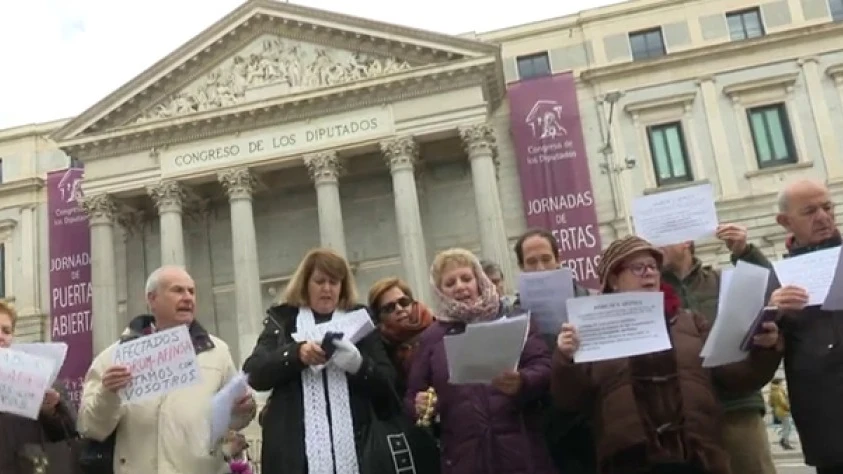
153,282
783,199
490,267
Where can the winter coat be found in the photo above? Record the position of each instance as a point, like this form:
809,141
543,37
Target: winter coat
778,402
813,363
484,431
275,365
659,408
168,434
17,431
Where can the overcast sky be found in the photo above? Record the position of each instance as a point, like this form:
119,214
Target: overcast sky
59,57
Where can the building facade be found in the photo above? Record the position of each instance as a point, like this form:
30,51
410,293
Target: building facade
741,94
27,154
281,127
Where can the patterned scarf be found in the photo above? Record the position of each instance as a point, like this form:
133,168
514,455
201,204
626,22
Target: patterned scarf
484,308
328,424
402,334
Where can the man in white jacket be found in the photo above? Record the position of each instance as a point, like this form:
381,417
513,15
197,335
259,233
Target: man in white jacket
168,434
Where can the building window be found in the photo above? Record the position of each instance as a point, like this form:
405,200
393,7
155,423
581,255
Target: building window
647,44
669,153
836,9
534,65
771,135
75,163
745,24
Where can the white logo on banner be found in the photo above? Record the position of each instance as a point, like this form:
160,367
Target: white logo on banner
544,120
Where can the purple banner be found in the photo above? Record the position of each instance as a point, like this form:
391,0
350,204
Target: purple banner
553,166
70,277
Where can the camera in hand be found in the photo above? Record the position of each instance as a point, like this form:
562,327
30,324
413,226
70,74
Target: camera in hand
328,343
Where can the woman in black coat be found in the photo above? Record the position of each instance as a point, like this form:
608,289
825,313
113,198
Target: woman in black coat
316,419
22,439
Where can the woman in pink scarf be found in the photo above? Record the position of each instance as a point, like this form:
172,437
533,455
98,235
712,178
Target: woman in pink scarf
485,428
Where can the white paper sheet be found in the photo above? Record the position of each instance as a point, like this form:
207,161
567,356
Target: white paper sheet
354,326
812,271
222,404
619,325
738,307
834,299
544,295
24,379
55,351
160,363
673,217
486,350
725,279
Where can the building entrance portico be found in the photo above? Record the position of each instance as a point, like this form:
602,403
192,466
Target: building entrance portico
278,129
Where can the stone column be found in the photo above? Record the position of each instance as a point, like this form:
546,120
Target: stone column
324,169
822,118
717,137
102,213
239,184
401,156
481,148
168,197
27,292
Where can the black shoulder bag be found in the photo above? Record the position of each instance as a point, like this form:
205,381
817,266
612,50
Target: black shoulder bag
395,445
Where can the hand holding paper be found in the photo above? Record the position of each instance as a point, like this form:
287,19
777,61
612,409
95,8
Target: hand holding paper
244,405
51,401
568,341
769,338
508,382
789,298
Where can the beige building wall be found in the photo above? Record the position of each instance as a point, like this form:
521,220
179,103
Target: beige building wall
784,56
27,156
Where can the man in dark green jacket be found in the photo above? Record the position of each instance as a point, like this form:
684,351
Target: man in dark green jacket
744,429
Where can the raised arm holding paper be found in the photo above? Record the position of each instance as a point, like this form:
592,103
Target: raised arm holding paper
668,389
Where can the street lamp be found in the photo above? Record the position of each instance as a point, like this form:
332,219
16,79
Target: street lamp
610,165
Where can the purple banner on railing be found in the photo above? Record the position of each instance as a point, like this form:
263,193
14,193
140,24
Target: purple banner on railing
553,166
70,277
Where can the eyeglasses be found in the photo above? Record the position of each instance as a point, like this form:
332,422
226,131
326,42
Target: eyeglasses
640,269
404,302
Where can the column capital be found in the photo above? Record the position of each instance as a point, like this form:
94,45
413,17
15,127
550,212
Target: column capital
400,152
324,166
168,196
132,221
478,140
238,183
100,208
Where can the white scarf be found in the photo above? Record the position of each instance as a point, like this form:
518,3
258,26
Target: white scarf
317,428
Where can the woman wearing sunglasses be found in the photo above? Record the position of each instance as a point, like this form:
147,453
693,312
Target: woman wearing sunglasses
400,320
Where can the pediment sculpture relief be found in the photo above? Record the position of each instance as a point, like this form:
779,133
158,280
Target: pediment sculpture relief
288,66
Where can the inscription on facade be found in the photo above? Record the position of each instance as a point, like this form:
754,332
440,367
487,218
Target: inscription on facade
289,139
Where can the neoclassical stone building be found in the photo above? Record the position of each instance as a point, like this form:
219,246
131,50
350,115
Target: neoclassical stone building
279,129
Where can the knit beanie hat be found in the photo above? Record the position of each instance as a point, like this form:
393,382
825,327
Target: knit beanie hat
618,251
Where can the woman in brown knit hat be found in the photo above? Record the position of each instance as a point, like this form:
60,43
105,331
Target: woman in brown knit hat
400,320
656,413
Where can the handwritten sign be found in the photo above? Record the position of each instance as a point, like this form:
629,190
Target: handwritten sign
159,363
24,379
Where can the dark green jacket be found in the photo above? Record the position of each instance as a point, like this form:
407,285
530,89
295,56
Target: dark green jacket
700,291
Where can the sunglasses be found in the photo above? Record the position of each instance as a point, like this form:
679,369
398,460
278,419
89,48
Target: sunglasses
404,302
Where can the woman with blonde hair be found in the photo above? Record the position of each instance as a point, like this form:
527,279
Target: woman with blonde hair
401,320
322,396
493,428
18,435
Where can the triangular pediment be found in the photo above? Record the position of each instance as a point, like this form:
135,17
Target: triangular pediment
273,66
265,50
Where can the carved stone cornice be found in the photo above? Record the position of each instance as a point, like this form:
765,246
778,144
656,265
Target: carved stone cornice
479,140
101,209
7,226
168,196
324,166
238,183
400,153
